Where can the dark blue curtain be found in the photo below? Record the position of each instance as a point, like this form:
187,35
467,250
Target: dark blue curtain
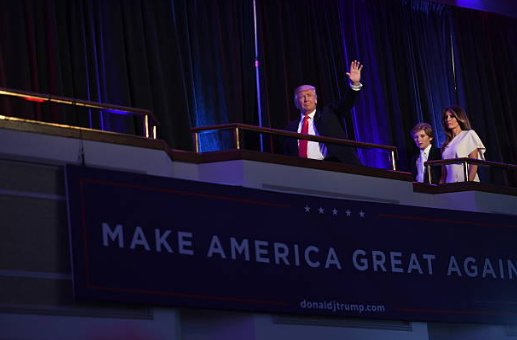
406,47
486,63
301,43
192,63
407,78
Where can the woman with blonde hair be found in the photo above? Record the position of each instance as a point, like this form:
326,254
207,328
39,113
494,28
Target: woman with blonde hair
460,142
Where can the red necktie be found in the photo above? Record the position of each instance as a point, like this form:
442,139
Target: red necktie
302,143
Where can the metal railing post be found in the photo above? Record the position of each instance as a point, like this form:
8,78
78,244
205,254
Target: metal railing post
237,138
393,161
196,141
466,170
146,126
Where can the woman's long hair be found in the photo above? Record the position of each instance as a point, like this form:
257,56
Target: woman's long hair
460,115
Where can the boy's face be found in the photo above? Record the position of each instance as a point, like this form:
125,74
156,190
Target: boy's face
422,140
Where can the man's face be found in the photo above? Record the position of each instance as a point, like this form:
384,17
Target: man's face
306,100
422,140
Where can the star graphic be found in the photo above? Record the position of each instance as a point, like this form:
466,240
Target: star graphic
334,212
362,213
307,208
321,210
348,212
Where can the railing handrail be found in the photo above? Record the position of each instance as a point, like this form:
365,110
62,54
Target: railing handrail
293,134
43,97
466,161
246,127
471,160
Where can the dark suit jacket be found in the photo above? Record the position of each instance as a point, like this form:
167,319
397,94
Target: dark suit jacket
328,122
436,171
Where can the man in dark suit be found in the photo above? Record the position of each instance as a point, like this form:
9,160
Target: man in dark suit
423,136
323,122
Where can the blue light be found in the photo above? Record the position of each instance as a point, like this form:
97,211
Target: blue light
117,112
474,4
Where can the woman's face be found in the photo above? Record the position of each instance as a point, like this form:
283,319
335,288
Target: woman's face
450,121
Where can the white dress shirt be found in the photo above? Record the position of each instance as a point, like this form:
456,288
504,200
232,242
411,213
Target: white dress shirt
315,150
424,156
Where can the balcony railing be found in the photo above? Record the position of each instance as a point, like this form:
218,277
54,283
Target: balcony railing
466,162
238,128
149,121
